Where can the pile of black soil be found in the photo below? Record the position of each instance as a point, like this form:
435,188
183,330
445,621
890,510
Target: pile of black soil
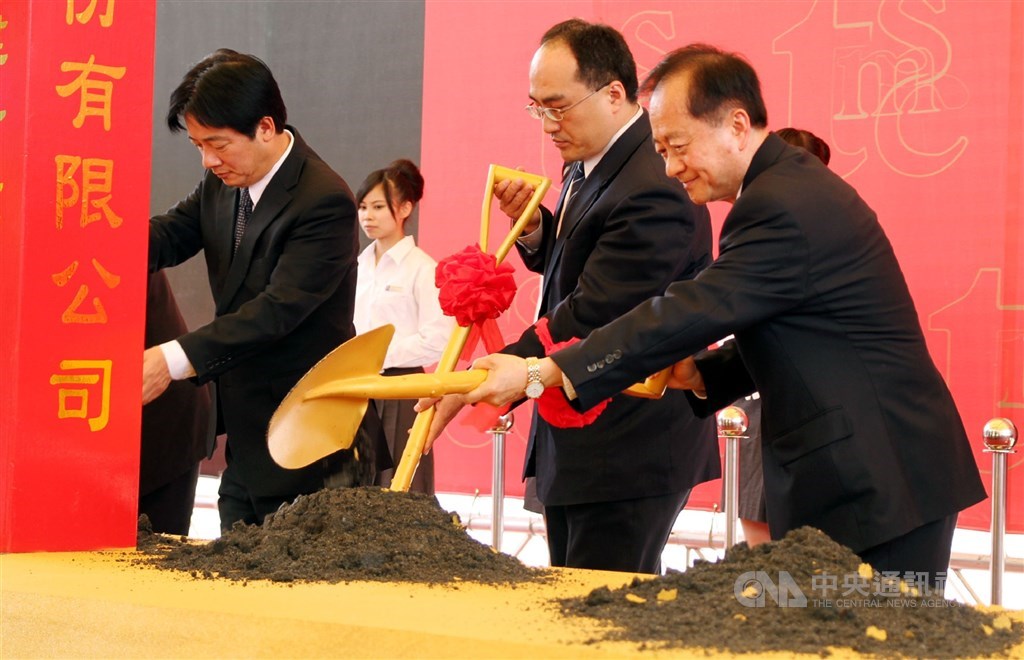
803,593
342,535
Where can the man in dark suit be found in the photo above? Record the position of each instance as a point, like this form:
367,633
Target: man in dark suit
175,427
278,230
861,436
620,233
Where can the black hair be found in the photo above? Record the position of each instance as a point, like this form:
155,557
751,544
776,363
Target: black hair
601,53
798,137
228,89
402,182
718,81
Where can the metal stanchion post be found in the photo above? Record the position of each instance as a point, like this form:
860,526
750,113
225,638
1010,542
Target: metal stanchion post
1000,436
503,426
732,425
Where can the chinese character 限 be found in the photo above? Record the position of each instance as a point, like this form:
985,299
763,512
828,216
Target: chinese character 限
94,193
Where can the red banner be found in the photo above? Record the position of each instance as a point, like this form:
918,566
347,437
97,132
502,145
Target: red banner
77,100
919,101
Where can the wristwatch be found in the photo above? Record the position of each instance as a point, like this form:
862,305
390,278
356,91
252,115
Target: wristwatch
534,388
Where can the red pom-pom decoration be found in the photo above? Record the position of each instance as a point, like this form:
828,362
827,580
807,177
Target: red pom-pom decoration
552,405
473,287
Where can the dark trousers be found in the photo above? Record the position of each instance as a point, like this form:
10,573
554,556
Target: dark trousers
169,507
626,535
923,551
235,503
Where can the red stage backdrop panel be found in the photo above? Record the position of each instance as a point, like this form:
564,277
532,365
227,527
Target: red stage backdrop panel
76,122
920,102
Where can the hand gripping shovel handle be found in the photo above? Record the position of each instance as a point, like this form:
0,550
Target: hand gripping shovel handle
410,460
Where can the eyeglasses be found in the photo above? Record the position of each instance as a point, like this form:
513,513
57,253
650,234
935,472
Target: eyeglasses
558,114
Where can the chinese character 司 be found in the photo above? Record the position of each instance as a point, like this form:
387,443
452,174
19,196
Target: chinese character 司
95,191
96,94
68,395
84,16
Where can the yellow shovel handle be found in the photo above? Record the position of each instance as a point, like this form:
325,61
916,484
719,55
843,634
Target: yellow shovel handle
409,386
406,469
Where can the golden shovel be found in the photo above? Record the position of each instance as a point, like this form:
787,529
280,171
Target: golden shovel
323,411
302,431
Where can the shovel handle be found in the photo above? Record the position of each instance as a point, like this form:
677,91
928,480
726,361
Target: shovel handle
409,386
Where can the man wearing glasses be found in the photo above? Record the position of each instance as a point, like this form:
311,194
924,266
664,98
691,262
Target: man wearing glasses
620,233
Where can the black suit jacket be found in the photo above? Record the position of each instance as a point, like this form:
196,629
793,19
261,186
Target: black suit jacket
861,437
627,235
175,425
283,301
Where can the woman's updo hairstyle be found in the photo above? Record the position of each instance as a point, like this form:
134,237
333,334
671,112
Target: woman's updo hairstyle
402,183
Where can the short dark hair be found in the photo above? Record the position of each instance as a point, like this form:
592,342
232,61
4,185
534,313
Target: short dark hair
228,89
799,137
402,182
601,54
719,81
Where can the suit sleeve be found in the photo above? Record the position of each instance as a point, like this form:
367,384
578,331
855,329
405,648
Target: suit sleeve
176,236
725,379
762,271
534,260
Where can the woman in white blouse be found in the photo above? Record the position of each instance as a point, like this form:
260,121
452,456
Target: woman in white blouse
395,285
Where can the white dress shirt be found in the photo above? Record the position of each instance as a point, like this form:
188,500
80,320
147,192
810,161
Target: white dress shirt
399,289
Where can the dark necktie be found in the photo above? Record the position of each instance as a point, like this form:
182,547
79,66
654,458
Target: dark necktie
573,183
243,215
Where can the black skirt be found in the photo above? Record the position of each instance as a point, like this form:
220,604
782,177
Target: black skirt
397,417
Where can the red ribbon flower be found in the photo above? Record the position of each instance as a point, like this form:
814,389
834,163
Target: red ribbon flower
476,290
473,287
552,405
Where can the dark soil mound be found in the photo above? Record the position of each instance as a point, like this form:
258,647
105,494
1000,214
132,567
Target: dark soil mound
729,605
341,535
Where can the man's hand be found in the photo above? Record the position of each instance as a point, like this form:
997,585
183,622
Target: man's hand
505,383
513,196
155,375
445,410
685,376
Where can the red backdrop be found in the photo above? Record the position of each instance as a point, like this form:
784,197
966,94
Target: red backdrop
920,102
76,126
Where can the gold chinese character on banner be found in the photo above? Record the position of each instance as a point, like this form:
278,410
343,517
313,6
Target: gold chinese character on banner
74,389
84,16
73,314
94,193
96,94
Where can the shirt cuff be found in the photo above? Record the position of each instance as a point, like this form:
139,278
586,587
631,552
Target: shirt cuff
177,362
570,391
531,242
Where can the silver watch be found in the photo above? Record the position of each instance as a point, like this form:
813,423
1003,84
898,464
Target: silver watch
534,387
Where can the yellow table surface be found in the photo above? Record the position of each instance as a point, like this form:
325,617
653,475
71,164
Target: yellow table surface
100,604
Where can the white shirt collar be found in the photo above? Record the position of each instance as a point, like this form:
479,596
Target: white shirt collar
397,253
256,189
590,163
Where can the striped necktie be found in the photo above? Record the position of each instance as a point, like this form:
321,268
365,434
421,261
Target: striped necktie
243,215
574,183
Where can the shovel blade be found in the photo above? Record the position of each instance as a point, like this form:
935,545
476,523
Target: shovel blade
303,431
